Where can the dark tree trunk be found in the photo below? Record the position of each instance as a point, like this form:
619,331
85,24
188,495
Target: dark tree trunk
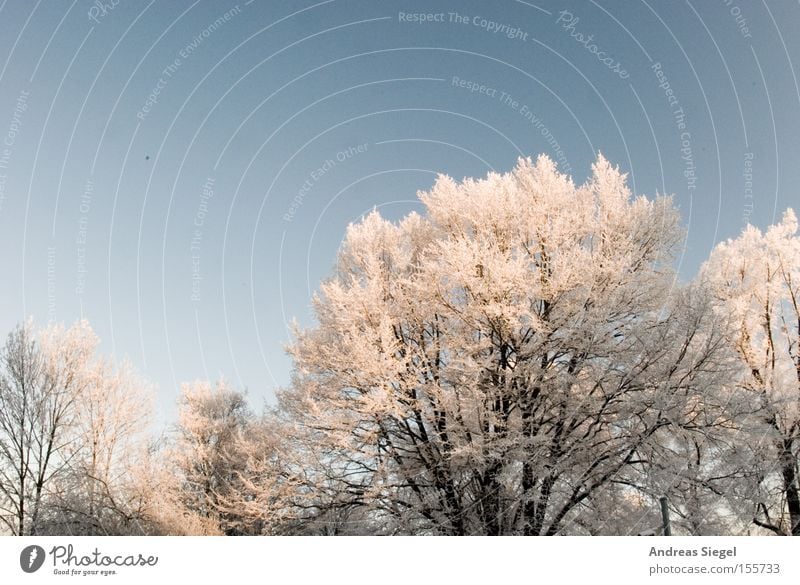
789,472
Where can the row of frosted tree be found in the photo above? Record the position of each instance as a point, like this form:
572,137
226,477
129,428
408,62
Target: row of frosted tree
519,359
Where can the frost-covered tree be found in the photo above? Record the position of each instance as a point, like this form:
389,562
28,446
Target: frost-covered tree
72,431
211,454
158,498
497,364
99,493
42,377
266,487
756,279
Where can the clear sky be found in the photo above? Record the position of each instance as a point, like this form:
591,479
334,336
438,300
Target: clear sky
181,173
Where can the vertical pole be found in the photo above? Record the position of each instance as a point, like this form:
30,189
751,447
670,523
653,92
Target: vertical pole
665,516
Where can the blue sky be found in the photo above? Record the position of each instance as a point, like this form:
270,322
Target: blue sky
181,173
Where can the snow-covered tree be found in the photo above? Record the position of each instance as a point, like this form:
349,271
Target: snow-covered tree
42,378
266,487
99,493
211,452
493,366
72,431
756,279
158,498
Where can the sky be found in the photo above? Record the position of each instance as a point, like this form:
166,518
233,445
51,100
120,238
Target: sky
182,173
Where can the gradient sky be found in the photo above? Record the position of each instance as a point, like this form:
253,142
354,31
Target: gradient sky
283,122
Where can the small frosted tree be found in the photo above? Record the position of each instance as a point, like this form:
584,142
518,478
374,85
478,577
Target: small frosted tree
99,493
756,280
210,453
266,485
493,366
42,378
72,431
